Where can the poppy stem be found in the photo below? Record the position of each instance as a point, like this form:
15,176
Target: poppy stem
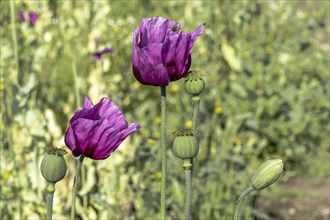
239,202
189,173
188,197
75,186
195,105
163,152
50,196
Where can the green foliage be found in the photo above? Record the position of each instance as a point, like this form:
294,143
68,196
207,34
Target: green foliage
266,96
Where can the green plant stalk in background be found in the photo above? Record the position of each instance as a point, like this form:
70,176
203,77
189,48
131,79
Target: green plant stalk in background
14,36
75,186
50,196
75,76
163,152
240,202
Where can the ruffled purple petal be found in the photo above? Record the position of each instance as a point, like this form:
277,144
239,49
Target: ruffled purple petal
108,147
87,103
163,53
96,131
155,29
116,141
70,142
194,35
176,54
148,67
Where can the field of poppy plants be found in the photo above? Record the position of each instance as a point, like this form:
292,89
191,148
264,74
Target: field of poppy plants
164,110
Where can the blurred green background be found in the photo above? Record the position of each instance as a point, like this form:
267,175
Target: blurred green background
267,96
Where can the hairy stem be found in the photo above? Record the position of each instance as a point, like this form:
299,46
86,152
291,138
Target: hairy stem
188,201
50,196
195,106
75,187
188,195
163,152
239,202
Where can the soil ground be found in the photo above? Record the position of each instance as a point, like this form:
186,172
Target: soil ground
300,198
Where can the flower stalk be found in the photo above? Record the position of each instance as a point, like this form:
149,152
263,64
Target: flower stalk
266,174
188,197
50,196
194,85
195,105
239,202
75,186
163,152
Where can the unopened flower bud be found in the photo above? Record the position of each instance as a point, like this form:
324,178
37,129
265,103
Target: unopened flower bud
53,166
185,145
194,83
267,174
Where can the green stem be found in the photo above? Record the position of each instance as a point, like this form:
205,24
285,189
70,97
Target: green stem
188,202
83,180
75,187
195,106
188,195
14,36
50,195
239,202
75,75
163,152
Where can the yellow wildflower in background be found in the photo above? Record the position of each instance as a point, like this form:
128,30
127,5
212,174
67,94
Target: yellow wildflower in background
188,124
174,88
252,140
151,141
218,109
269,49
157,120
157,175
236,140
6,175
156,134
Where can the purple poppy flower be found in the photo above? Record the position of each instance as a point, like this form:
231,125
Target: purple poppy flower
98,54
21,16
161,51
33,17
97,130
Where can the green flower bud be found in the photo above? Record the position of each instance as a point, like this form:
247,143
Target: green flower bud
185,145
267,174
53,166
194,83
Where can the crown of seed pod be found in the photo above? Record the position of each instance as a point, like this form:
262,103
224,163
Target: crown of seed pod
53,166
194,83
185,145
267,173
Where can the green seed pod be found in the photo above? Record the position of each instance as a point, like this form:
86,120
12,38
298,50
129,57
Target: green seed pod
267,174
53,166
194,83
185,145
